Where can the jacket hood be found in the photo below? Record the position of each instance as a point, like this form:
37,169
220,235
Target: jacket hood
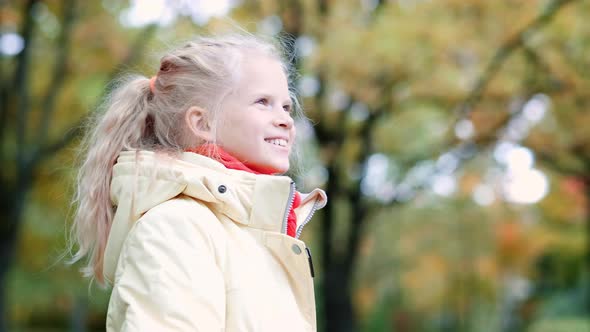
143,179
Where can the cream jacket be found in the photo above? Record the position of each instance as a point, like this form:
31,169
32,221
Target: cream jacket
195,246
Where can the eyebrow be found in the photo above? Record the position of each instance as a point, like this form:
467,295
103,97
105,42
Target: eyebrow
259,94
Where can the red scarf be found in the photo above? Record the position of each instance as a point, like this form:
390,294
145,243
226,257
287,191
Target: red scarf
229,161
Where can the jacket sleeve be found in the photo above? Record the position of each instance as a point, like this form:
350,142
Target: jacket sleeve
169,277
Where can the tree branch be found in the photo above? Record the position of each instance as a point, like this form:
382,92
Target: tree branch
59,70
551,162
21,83
515,42
136,50
323,8
509,46
50,149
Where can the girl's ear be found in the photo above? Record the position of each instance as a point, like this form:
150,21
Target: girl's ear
197,121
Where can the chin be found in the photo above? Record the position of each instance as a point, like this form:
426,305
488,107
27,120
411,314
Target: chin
280,169
269,168
277,170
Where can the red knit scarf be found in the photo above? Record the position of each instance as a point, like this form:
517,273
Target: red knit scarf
229,161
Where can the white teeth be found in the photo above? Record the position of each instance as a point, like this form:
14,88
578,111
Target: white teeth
277,141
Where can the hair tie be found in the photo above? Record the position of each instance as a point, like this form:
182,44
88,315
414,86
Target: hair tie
153,84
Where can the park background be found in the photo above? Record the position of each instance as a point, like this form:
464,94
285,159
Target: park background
451,136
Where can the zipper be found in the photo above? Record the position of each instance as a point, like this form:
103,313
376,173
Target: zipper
289,207
313,210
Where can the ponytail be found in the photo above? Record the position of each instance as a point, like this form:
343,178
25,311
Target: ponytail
123,124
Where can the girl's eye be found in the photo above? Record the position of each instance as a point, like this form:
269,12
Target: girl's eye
287,108
262,101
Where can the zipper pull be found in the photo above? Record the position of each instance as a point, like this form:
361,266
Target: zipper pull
310,261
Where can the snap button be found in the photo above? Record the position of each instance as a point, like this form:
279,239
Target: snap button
222,189
296,249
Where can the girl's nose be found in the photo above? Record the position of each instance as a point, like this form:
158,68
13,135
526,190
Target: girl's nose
284,120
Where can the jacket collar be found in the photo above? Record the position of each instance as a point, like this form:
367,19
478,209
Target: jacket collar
255,200
144,179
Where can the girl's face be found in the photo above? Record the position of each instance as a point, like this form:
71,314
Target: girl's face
255,123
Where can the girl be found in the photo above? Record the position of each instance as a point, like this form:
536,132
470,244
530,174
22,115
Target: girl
180,208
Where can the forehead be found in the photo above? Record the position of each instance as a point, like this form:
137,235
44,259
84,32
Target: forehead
262,74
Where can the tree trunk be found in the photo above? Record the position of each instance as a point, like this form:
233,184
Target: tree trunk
338,312
587,255
11,209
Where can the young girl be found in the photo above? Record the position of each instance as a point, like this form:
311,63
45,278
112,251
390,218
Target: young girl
181,207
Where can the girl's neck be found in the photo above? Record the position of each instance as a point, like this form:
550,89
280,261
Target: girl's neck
217,153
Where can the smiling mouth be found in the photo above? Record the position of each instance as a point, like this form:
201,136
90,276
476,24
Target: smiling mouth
277,141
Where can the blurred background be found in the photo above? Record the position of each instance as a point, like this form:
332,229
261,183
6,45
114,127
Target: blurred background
452,137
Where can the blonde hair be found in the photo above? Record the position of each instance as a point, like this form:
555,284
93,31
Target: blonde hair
133,117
